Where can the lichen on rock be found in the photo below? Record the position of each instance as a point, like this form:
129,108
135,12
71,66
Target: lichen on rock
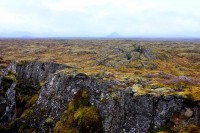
43,100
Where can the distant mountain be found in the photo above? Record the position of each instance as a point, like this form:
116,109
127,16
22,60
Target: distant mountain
114,35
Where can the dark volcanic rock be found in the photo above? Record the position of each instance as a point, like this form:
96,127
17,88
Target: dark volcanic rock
147,52
120,111
25,74
7,97
34,72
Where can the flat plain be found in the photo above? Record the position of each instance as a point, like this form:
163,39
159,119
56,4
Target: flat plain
150,66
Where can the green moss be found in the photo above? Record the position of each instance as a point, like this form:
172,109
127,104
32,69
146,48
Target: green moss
8,80
192,93
104,100
10,77
71,107
23,98
21,103
103,75
88,119
49,120
166,128
80,116
26,97
81,99
115,96
22,63
32,101
62,128
27,112
42,83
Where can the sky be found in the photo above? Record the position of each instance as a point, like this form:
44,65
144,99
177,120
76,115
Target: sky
93,18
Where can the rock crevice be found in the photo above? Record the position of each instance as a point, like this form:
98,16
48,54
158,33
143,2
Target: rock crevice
120,110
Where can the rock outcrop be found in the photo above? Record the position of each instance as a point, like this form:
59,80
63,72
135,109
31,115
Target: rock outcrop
119,110
147,52
26,75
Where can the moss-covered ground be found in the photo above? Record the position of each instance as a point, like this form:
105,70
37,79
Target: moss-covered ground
148,67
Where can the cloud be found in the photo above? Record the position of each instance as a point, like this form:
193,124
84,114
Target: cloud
101,17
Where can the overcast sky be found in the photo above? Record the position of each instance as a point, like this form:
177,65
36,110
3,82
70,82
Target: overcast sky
157,18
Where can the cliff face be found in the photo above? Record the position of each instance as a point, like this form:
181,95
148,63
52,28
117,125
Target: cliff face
24,78
66,99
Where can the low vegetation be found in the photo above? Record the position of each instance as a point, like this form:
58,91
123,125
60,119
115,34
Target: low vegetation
151,64
148,67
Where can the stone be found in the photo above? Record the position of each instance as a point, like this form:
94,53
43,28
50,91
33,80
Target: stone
126,112
188,113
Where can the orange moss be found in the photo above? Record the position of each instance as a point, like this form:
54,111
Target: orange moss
193,93
176,58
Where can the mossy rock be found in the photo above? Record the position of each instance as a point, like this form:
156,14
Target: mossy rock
166,128
10,77
42,83
49,120
23,98
22,63
103,75
88,119
32,101
27,112
62,128
163,90
81,99
8,80
115,95
80,116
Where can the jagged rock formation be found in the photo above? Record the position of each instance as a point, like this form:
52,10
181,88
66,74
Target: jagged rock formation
118,110
124,55
7,96
27,74
34,72
147,52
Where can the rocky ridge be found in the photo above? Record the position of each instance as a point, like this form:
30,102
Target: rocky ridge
55,93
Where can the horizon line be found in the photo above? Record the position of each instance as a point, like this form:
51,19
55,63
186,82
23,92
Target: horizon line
106,38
